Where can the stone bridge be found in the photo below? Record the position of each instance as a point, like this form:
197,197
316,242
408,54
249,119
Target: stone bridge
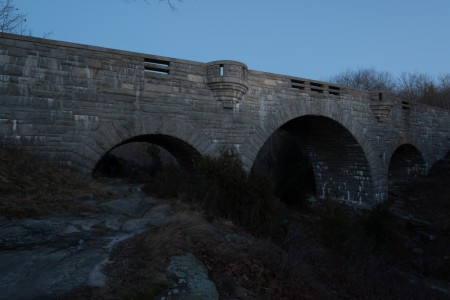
72,104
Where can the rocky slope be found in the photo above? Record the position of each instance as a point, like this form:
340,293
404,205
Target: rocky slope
65,237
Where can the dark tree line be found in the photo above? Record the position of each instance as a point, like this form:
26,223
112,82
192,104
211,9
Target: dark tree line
418,87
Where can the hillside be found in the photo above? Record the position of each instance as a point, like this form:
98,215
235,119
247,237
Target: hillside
324,251
30,188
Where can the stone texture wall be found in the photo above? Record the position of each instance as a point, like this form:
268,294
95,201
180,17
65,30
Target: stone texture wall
73,103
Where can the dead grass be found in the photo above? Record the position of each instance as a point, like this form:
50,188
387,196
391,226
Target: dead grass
429,197
30,187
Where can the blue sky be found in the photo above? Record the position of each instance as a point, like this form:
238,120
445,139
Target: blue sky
312,39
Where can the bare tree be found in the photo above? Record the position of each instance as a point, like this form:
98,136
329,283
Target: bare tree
413,86
444,90
444,81
170,3
440,94
365,79
11,19
418,87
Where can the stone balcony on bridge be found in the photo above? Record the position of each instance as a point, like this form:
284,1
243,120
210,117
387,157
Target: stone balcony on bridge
228,81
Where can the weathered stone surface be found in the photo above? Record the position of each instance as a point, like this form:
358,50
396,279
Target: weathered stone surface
153,217
73,103
43,258
129,207
191,279
46,272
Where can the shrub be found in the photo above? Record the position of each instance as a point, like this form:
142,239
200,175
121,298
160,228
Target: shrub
221,188
335,224
33,187
228,192
379,224
295,180
169,182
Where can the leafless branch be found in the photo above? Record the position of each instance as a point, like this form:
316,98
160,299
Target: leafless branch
170,3
11,19
418,87
365,79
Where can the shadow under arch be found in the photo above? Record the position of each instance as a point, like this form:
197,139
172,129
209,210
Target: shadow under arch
185,154
406,163
335,164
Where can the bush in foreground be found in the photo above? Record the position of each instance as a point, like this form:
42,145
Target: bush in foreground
221,188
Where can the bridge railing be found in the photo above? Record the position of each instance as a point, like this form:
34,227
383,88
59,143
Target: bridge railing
316,86
155,65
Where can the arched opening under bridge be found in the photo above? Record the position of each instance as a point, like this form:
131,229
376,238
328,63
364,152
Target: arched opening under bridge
406,164
315,155
142,156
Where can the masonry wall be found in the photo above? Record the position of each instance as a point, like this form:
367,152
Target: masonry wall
73,103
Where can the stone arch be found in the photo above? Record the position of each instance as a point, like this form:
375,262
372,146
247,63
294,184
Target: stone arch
176,136
406,139
405,163
340,165
375,190
185,154
284,159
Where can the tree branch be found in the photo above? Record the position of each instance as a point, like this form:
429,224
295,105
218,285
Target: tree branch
170,3
11,20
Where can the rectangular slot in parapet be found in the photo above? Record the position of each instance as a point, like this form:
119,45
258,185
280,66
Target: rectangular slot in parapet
297,84
316,87
405,105
334,90
158,66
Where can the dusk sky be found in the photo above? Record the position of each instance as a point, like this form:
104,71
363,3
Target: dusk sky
312,39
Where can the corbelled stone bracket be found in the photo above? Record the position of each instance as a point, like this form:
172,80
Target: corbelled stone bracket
228,81
381,105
